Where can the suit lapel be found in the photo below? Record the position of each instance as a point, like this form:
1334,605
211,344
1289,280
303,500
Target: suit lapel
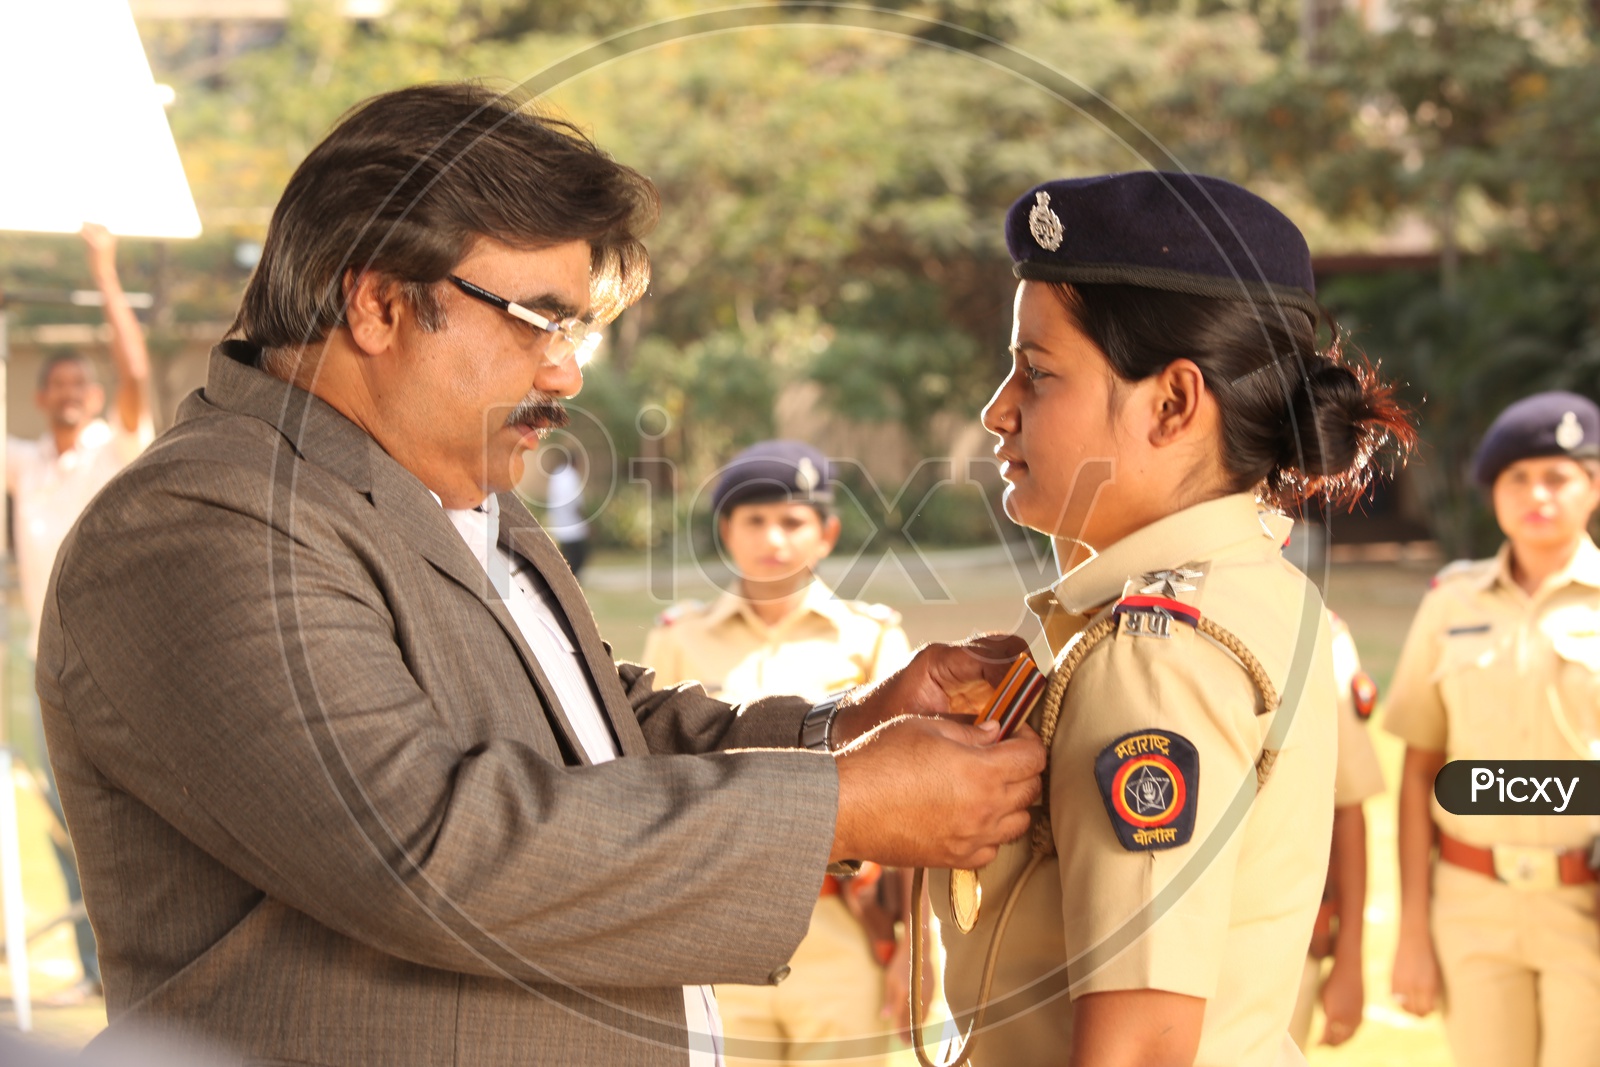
320,434
421,522
521,533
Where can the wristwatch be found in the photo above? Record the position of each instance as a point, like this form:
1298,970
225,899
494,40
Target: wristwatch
816,729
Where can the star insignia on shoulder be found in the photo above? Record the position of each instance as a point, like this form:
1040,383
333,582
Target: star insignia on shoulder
1169,583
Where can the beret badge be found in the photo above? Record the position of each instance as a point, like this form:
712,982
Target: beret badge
1044,224
806,475
1569,434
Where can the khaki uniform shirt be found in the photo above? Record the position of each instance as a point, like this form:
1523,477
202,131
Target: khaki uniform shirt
1489,672
827,644
1225,914
1357,775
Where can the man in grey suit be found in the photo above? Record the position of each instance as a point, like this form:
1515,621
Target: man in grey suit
352,776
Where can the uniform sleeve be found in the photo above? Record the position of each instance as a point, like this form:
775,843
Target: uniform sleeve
661,655
1357,775
893,652
1414,711
1123,932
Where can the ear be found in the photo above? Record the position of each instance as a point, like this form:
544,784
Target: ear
94,400
831,528
722,528
373,308
1178,390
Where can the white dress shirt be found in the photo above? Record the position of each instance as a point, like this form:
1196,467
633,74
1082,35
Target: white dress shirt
537,614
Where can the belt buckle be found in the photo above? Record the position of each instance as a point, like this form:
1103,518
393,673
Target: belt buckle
1527,867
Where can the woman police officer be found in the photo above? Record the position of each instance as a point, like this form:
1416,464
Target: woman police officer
1166,397
1503,663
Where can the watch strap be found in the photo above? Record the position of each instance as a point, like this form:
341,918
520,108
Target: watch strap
816,729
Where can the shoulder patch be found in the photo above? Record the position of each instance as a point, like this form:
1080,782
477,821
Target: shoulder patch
678,611
1363,694
1150,782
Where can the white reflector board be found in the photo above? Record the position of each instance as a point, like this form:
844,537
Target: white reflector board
83,137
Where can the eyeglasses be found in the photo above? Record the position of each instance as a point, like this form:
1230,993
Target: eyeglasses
567,336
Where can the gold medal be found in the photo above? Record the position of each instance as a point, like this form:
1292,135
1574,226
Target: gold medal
966,897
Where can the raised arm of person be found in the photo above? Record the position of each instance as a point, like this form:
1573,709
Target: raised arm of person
128,350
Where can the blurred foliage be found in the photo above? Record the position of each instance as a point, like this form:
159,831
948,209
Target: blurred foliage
1514,325
1482,119
832,194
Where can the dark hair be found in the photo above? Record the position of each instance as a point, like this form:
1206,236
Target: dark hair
1297,421
406,181
56,359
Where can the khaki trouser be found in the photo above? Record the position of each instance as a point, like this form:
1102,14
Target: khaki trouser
1521,971
830,1005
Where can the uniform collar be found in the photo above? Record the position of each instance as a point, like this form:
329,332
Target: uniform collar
1194,534
819,600
1582,569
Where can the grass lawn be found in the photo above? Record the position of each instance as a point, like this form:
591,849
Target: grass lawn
958,593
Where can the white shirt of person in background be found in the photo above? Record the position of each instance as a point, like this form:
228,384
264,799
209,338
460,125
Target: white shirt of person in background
53,478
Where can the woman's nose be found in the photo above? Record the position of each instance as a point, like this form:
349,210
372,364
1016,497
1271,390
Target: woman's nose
1000,413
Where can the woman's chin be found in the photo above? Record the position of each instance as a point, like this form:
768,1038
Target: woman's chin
1021,509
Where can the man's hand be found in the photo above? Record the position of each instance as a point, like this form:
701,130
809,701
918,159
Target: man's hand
926,792
128,351
940,680
102,248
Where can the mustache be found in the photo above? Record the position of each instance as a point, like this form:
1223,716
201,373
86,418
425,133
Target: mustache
541,410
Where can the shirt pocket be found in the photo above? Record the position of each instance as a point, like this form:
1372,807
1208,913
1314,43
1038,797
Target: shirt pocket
1472,674
1577,684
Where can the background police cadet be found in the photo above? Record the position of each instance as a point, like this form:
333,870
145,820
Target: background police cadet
782,630
1503,662
1340,920
1157,354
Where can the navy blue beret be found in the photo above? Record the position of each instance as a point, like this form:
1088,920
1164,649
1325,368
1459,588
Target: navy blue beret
1184,233
773,470
1544,424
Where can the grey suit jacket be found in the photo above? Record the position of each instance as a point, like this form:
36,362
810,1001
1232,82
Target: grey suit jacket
326,808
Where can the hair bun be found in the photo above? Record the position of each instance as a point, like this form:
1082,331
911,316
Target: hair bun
1324,437
1342,416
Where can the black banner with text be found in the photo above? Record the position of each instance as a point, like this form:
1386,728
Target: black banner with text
1519,787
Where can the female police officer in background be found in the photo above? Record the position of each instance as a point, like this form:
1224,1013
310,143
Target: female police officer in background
1166,396
1503,662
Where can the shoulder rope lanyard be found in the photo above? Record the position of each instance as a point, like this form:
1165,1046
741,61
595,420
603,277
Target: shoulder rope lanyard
1043,838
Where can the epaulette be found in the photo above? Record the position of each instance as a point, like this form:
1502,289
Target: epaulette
1150,602
679,611
882,614
1454,569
